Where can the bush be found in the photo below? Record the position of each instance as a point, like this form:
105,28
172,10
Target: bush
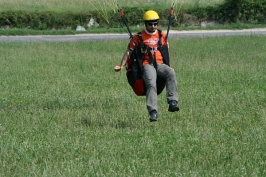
46,20
231,11
246,11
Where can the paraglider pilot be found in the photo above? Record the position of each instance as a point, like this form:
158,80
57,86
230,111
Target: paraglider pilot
155,63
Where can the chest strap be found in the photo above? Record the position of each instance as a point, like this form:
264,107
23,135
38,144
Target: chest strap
150,51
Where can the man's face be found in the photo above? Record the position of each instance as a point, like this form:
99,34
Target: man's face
151,26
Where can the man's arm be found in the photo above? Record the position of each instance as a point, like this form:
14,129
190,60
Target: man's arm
124,60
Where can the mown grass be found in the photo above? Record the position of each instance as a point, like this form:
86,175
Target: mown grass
65,112
103,6
85,5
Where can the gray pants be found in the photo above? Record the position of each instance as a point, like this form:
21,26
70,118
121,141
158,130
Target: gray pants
150,75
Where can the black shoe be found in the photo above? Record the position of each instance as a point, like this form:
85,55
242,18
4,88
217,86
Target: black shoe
173,106
153,116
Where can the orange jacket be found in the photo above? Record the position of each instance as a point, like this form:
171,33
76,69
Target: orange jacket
151,41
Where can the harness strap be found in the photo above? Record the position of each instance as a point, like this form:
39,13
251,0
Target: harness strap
149,50
160,38
142,44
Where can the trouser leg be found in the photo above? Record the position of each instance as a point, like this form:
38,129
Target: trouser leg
149,76
169,75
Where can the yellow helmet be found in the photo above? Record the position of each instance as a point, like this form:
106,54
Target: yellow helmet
150,15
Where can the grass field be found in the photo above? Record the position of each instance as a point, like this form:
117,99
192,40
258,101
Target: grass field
65,112
81,5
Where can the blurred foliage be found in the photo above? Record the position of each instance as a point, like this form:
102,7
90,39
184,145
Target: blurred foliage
234,11
231,11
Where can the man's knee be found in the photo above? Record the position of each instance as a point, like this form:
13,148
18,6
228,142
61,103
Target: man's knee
171,73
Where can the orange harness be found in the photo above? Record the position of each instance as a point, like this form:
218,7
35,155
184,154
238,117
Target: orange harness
134,66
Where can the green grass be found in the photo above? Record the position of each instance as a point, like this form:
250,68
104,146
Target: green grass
81,5
65,112
104,6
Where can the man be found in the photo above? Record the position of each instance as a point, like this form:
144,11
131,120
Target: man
154,64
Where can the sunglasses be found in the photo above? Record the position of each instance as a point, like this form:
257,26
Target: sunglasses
150,24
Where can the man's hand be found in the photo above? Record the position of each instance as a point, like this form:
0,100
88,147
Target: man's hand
118,68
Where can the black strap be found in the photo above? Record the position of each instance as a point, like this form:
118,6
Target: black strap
142,44
160,38
149,50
